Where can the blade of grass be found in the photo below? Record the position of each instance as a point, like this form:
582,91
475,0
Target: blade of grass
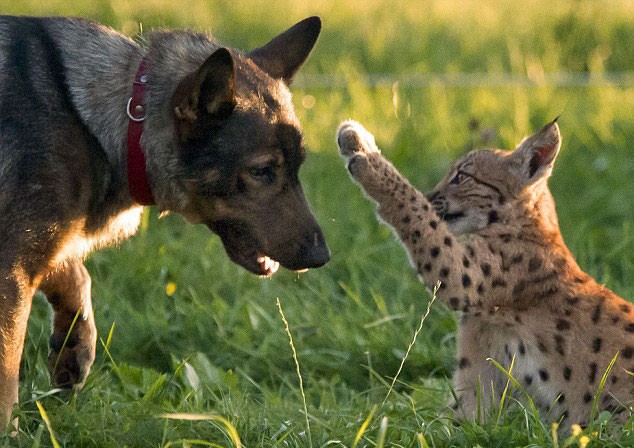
364,426
382,433
516,384
106,344
595,403
70,329
299,375
231,430
421,440
504,392
411,344
188,442
37,439
47,422
553,431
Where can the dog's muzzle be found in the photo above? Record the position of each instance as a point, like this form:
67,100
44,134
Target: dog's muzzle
313,255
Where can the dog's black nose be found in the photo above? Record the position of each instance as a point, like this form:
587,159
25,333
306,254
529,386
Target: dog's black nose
317,254
314,253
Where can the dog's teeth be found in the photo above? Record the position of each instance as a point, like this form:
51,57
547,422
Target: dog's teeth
268,265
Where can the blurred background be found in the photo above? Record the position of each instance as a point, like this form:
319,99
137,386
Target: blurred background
431,79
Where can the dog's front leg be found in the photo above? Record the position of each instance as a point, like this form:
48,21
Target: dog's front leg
16,295
67,288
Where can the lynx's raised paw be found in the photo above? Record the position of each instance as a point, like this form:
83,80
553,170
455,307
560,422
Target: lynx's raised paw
353,139
355,145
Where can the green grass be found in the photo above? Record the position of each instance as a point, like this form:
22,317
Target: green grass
217,347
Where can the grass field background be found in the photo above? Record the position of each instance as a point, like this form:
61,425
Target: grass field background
182,330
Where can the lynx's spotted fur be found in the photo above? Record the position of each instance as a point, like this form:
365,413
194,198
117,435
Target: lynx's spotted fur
489,232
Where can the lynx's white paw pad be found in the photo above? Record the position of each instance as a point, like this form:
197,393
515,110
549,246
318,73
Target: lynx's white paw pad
353,139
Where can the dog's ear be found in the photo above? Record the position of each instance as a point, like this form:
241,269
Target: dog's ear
208,93
284,55
533,159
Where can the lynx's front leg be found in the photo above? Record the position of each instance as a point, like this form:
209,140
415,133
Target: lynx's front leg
433,250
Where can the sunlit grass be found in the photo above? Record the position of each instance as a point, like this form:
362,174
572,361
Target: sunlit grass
185,332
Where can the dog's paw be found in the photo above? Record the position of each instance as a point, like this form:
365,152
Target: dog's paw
353,139
70,359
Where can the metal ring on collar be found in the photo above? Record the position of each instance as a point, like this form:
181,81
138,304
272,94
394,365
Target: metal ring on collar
129,112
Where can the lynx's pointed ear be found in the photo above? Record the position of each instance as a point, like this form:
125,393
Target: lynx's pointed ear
284,55
533,159
206,94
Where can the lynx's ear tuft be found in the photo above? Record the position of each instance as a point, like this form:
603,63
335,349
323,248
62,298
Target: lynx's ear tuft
535,156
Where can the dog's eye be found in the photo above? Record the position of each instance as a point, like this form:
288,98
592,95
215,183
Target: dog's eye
263,173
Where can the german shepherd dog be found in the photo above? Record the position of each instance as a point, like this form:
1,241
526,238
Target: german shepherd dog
94,125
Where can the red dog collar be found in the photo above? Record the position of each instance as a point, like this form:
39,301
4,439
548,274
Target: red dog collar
137,175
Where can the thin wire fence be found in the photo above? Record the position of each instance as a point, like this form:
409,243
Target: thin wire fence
467,80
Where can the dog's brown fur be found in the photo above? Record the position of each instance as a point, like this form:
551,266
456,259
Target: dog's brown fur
223,148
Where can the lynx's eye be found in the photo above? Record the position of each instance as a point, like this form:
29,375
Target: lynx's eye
458,178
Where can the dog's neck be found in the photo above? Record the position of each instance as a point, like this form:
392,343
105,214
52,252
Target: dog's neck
99,78
101,101
171,57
